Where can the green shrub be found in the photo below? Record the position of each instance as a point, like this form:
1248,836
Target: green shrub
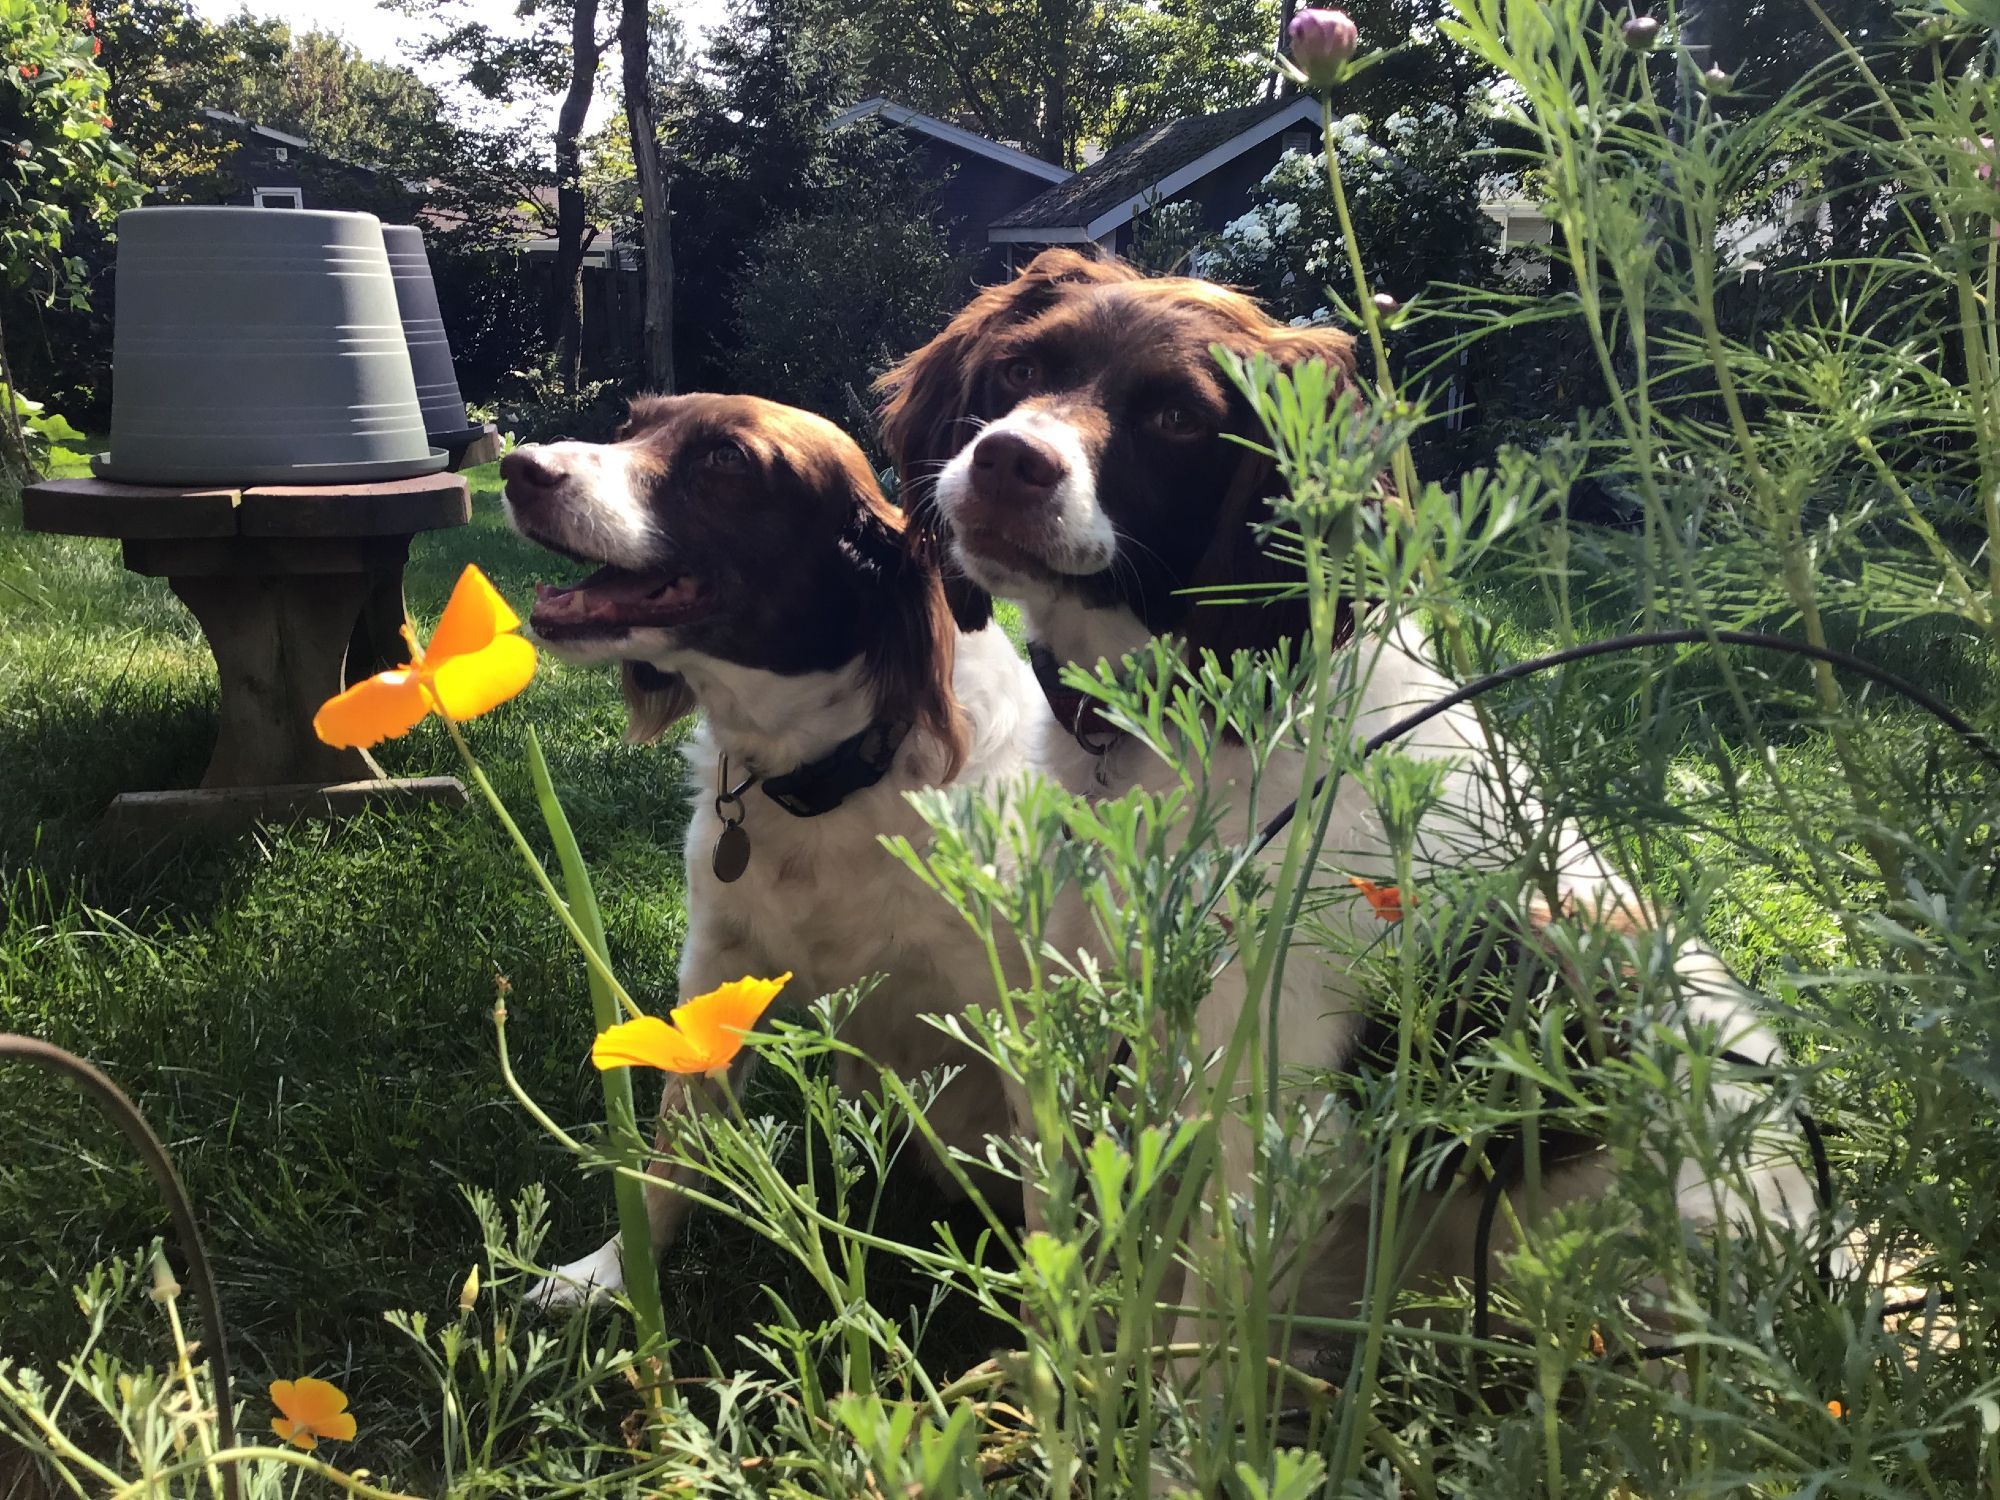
832,300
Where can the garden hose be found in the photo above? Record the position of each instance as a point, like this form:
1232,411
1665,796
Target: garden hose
125,1115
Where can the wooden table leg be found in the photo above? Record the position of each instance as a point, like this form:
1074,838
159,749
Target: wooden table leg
378,643
279,644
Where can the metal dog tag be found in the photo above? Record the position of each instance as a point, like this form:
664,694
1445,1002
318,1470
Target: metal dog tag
732,853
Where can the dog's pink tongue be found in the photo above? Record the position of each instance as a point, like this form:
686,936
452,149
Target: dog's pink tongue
607,595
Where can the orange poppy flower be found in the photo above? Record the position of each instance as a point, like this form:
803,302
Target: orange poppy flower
311,1410
1387,900
704,1036
474,663
1835,1410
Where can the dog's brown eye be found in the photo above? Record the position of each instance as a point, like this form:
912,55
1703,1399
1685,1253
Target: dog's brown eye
727,456
1019,374
1177,422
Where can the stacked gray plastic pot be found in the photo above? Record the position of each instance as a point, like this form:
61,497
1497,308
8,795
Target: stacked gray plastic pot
430,351
255,346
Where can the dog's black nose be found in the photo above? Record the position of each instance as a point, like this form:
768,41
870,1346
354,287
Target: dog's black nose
530,468
1014,469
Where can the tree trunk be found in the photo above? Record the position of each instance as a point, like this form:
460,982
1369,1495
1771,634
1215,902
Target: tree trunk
1057,21
655,193
1282,87
566,296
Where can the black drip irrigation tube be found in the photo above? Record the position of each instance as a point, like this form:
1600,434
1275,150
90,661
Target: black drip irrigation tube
1973,739
1641,641
125,1115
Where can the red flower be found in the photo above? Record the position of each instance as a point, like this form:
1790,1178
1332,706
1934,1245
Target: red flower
1387,900
29,70
105,121
96,46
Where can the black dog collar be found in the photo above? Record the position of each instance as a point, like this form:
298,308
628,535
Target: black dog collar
1076,712
854,765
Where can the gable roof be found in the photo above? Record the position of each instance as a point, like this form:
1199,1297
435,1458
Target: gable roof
1151,167
251,127
952,135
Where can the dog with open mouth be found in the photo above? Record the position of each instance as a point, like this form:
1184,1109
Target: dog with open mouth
748,566
1070,442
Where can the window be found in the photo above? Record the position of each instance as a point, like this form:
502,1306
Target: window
1300,141
275,197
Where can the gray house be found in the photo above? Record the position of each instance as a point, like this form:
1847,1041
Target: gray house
1214,161
268,168
980,180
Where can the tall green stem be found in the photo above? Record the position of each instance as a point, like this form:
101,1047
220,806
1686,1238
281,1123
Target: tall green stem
636,1252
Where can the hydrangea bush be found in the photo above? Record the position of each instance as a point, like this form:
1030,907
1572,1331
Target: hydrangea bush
1415,184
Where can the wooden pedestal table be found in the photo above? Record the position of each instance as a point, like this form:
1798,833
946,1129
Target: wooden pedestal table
290,585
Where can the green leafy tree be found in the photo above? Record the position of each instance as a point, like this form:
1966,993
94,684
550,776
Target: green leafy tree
756,160
60,166
347,105
1187,57
558,50
832,300
1054,75
164,65
167,65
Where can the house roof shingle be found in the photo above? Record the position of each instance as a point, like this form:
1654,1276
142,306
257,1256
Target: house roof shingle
1127,171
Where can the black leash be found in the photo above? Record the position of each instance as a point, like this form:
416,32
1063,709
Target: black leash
1642,640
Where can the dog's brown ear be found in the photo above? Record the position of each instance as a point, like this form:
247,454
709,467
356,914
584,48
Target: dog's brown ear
655,701
1268,604
1262,600
1332,347
926,411
913,651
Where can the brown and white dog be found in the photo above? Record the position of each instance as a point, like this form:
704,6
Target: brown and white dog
1067,439
751,569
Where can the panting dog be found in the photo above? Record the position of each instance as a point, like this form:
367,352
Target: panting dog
750,568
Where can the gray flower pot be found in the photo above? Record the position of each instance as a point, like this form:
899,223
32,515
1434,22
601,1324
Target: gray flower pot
259,346
430,351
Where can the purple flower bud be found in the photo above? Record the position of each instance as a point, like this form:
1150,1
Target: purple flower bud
1323,42
1386,305
1641,32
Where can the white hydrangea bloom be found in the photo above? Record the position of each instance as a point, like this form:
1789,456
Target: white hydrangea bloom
1249,232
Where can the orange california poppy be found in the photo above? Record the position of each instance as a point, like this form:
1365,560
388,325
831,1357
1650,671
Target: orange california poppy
704,1036
1386,899
1835,1410
310,1410
474,663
